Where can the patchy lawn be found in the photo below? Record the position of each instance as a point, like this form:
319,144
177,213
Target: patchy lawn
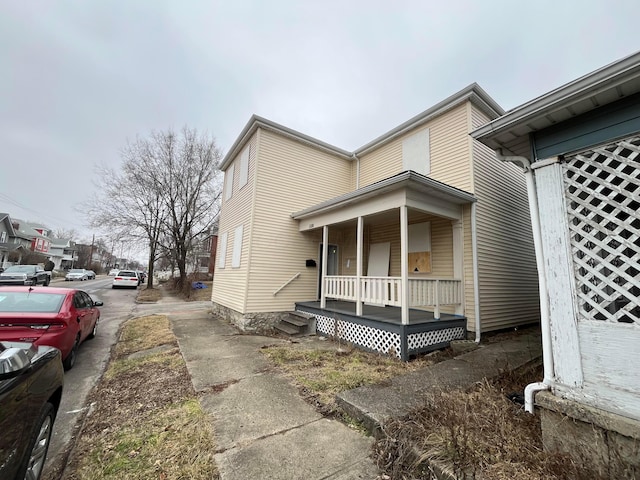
149,295
146,421
322,373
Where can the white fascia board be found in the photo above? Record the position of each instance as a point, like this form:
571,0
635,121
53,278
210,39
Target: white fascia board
605,78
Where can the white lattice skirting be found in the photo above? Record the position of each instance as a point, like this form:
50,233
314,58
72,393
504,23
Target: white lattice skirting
602,192
364,336
383,341
423,340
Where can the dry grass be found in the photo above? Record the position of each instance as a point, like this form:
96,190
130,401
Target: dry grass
478,433
200,294
146,421
321,374
144,333
149,295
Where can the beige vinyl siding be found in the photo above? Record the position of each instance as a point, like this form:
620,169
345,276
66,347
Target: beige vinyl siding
230,284
292,176
449,151
382,163
506,258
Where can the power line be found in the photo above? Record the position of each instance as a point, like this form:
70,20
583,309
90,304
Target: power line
6,198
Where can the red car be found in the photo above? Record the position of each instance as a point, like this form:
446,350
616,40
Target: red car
58,317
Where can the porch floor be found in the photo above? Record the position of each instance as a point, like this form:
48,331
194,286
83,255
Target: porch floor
382,314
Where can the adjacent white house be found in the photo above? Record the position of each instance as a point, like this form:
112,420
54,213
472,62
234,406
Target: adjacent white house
412,240
579,146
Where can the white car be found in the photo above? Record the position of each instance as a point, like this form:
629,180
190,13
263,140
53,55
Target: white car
126,279
113,272
76,274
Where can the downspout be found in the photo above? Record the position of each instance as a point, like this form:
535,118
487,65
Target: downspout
547,356
476,281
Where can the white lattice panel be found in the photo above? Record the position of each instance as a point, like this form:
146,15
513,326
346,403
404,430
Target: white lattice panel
368,337
417,341
602,191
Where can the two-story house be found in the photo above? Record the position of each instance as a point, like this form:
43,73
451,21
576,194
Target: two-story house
413,240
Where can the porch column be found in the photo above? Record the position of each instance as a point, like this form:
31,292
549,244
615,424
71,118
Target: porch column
404,265
325,253
458,261
360,235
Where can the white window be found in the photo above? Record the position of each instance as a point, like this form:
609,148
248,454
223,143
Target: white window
228,182
244,167
3,237
415,153
237,248
222,250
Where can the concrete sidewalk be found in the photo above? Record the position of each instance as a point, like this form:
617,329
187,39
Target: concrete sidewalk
263,428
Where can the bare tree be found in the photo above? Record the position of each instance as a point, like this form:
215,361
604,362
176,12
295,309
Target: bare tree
166,193
189,179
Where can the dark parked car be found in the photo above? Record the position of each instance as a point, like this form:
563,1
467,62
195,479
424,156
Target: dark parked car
59,317
24,275
31,380
91,275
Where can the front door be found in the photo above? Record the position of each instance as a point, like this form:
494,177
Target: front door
332,265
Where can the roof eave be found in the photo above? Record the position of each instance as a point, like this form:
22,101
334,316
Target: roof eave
473,93
605,78
256,122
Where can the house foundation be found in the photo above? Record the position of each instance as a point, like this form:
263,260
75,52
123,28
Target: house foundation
601,441
252,322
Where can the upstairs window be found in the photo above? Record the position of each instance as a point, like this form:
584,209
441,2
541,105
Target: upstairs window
244,167
415,153
228,182
3,237
222,250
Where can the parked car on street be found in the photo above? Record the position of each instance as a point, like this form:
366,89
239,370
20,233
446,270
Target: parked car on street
91,275
59,317
24,275
126,279
143,276
31,380
76,274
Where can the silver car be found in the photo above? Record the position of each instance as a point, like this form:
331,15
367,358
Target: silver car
76,274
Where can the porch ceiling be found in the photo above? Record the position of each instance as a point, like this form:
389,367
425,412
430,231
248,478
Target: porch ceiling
405,189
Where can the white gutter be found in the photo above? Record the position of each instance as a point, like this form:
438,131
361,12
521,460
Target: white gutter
547,356
476,281
357,160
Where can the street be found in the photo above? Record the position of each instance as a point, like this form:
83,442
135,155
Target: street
93,356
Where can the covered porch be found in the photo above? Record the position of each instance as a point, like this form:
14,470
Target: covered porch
392,261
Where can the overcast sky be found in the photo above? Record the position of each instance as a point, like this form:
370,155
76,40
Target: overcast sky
79,78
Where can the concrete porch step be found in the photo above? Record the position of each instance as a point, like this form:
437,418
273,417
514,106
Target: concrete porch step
296,323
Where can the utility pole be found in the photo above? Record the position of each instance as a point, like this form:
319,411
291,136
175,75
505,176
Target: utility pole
93,239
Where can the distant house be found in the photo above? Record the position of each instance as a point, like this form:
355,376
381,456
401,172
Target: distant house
32,236
400,246
63,253
8,242
580,148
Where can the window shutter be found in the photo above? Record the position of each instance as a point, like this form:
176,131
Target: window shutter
228,182
244,167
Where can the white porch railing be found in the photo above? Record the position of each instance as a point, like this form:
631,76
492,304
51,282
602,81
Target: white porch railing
423,292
